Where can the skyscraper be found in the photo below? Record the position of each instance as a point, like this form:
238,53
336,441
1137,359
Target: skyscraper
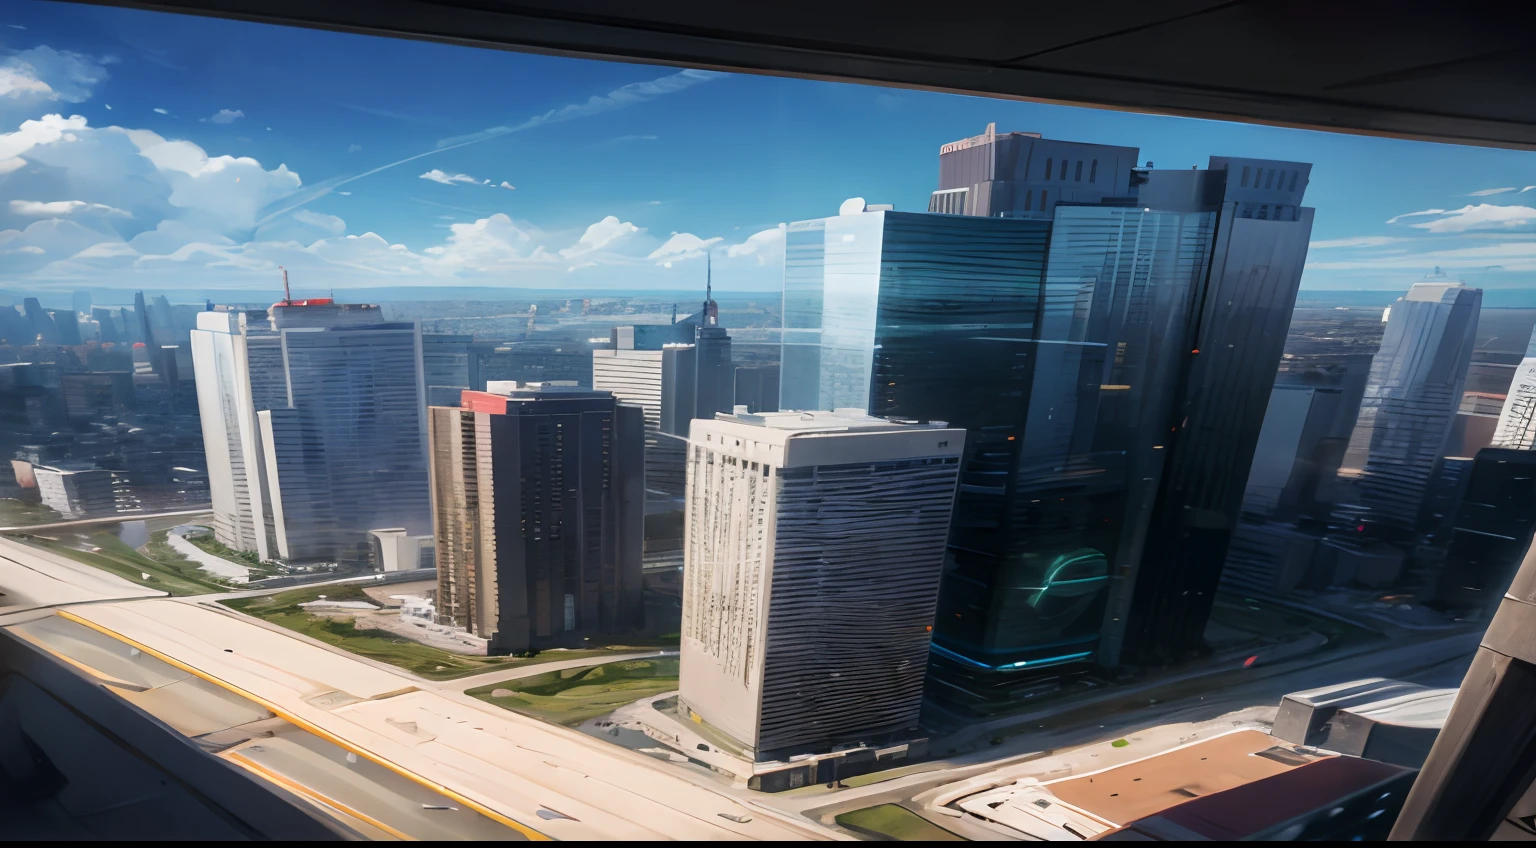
632,370
1028,589
714,370
314,427
1241,313
1112,417
1492,530
538,512
1517,420
814,546
1023,175
1410,403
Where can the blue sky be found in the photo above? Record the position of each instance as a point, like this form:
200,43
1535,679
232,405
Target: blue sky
148,150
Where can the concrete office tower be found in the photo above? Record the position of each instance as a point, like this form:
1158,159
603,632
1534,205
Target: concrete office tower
76,492
1411,402
814,546
1022,175
314,428
1517,420
538,511
633,371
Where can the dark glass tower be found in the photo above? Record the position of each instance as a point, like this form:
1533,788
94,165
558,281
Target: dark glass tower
1112,330
1238,324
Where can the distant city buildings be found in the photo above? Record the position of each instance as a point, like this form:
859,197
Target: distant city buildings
538,513
314,425
1410,403
814,546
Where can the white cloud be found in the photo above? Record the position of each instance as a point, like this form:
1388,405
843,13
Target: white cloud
353,148
1526,189
681,246
601,235
62,208
487,244
1483,216
45,130
333,224
1394,219
767,246
1488,191
160,111
32,79
15,163
1356,241
507,185
225,116
1509,256
439,176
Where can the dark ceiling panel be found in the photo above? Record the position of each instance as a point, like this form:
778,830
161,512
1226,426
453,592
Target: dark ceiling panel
1445,71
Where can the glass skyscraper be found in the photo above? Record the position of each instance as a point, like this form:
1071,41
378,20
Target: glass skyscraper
1112,366
1114,320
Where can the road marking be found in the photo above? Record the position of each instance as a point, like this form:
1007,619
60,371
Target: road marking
313,728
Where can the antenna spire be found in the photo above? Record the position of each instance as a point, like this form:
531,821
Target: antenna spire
287,295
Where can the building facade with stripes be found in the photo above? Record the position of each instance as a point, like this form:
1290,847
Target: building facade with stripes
814,544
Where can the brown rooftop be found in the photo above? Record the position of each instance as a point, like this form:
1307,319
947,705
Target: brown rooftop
1125,793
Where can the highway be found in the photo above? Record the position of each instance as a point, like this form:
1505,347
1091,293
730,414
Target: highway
382,726
116,518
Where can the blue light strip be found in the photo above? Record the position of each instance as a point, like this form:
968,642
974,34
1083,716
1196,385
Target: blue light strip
1015,666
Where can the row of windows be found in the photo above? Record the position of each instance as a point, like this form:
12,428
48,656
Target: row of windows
1267,176
1077,170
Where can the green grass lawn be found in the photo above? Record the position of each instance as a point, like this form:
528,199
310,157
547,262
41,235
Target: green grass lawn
571,697
252,562
894,821
19,513
168,571
426,661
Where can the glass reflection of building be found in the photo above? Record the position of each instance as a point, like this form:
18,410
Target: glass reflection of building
1113,324
1112,366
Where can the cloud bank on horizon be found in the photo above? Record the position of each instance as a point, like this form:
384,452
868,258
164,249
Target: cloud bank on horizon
91,204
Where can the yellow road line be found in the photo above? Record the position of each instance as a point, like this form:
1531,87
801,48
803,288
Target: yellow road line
313,728
101,676
261,771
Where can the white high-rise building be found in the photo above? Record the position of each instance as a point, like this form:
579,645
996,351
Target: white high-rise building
314,428
814,542
1517,420
637,374
1411,399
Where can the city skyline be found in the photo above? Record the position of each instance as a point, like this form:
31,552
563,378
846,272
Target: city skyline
401,175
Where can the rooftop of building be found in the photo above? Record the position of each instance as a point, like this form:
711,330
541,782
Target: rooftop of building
1435,292
504,396
822,421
